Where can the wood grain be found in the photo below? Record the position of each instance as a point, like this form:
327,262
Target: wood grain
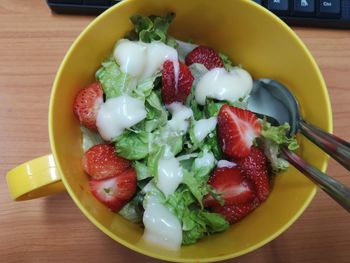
32,43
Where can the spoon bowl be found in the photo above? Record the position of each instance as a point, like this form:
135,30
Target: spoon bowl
271,98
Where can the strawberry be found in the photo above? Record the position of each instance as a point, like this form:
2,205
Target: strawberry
115,192
254,167
86,104
234,213
231,185
237,128
171,93
101,162
206,56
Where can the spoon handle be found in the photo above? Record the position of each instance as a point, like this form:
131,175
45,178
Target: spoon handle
335,189
336,147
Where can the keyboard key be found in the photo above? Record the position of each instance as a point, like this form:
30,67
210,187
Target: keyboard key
66,1
304,7
97,2
330,8
278,6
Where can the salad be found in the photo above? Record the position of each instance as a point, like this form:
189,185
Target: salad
168,141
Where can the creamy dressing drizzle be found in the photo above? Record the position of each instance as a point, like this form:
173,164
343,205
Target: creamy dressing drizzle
223,85
203,127
117,114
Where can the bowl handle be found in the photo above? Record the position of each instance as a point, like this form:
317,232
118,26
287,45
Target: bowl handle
34,179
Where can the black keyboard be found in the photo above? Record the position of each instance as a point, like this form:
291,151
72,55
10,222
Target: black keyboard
317,13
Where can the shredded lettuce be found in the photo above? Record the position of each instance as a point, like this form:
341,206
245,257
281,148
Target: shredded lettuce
278,134
90,138
212,142
197,177
197,70
157,116
151,28
133,210
141,170
212,107
227,61
145,87
114,82
195,222
272,138
133,145
153,159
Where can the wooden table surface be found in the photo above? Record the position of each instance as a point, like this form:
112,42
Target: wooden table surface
32,44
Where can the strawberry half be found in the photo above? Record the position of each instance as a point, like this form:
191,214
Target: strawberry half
254,167
234,213
237,128
87,103
206,56
115,192
171,93
101,162
231,184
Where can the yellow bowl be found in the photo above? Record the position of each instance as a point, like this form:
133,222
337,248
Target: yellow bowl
252,37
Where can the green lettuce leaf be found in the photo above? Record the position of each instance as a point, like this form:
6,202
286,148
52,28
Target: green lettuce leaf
212,143
197,70
133,145
157,116
133,210
212,107
227,61
114,82
141,170
278,134
90,138
196,223
145,87
195,107
153,159
196,179
151,28
271,139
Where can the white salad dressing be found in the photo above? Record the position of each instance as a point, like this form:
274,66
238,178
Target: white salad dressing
206,160
223,85
161,226
169,175
203,127
225,163
143,60
180,117
117,114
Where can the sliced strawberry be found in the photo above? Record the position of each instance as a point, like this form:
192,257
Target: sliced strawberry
237,128
87,103
170,92
234,213
206,56
101,162
254,167
115,192
232,186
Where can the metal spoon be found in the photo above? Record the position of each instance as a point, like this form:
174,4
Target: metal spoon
271,99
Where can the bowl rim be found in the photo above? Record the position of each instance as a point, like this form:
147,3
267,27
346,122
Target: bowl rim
133,247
